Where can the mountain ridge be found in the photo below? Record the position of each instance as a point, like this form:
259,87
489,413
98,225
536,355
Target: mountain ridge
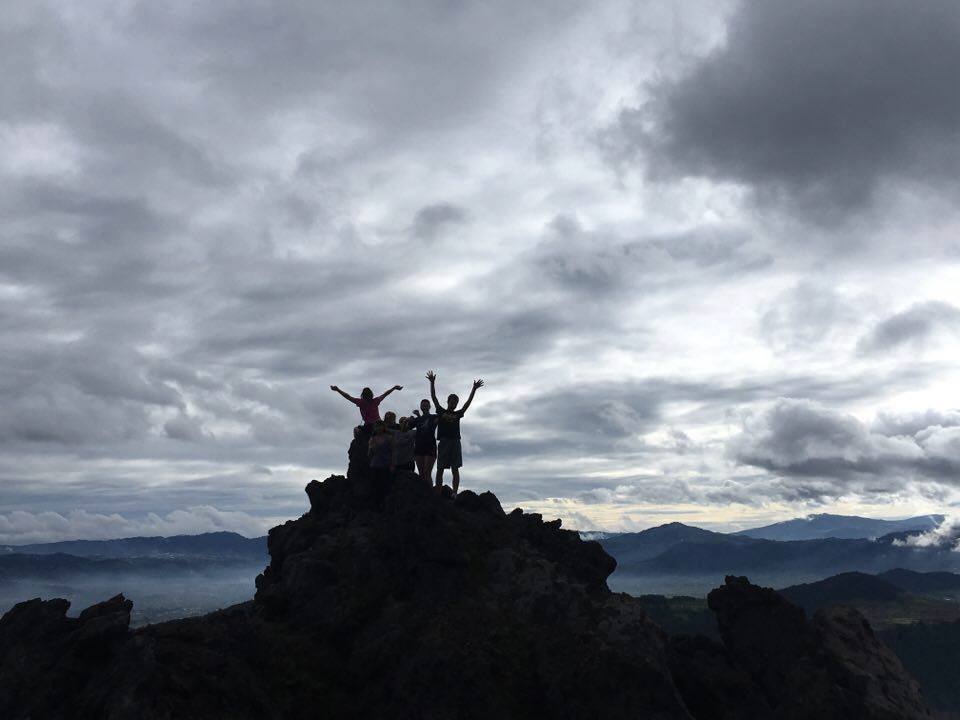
684,551
849,527
210,544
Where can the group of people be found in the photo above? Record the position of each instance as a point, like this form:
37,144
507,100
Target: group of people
419,440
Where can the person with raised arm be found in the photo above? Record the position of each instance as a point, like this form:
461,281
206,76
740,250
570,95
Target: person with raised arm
368,404
426,442
449,452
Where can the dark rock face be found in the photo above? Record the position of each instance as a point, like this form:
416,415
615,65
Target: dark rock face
451,608
830,667
417,605
48,660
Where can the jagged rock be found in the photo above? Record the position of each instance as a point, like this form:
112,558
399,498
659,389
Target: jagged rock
860,660
421,605
711,684
55,666
832,667
465,610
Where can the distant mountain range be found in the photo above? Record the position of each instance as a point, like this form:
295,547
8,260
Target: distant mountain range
169,577
215,545
888,599
698,557
229,544
60,566
818,527
681,551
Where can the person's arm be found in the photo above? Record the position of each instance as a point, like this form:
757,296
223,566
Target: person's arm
473,391
432,377
395,387
338,390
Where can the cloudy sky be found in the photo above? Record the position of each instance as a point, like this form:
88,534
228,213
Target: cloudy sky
706,255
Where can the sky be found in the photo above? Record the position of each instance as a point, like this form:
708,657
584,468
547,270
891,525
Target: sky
705,255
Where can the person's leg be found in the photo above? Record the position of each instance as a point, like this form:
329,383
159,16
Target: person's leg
428,461
456,479
421,461
442,463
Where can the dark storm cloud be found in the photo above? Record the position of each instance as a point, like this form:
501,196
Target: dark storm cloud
609,419
826,453
76,393
298,345
596,262
590,416
814,103
913,327
185,428
432,220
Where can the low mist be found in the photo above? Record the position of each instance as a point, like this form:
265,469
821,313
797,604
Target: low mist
155,598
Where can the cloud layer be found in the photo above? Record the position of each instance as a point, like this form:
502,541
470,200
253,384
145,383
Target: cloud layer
814,103
21,527
642,225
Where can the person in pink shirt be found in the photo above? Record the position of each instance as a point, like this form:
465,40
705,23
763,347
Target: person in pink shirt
368,404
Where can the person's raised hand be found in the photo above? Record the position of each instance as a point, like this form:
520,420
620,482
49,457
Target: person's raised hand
334,388
417,413
431,375
398,387
477,384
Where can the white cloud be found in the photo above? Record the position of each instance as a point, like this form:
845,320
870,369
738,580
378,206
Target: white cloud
20,527
945,535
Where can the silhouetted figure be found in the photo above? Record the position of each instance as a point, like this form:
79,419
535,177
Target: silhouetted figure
449,453
425,448
368,404
380,449
404,446
358,466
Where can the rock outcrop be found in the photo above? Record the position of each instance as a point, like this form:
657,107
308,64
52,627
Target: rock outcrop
832,666
419,605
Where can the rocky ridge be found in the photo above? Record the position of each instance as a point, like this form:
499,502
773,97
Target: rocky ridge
417,605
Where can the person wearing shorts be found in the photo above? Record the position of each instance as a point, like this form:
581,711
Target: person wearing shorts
425,447
449,451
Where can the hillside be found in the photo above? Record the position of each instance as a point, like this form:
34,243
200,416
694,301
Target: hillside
679,556
938,584
222,545
61,566
931,650
849,527
416,605
850,588
634,548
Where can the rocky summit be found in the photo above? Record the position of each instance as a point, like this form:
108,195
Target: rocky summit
420,605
